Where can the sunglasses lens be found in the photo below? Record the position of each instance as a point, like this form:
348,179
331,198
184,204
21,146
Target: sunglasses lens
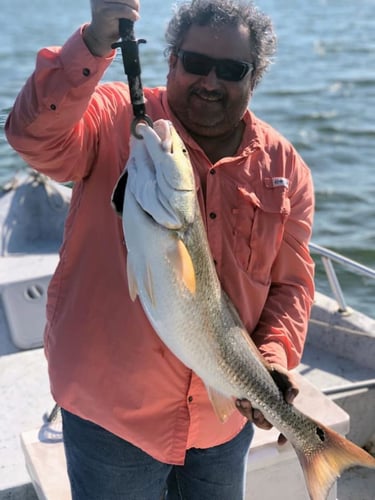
197,64
232,71
226,69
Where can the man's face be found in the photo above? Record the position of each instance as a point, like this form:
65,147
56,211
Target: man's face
207,105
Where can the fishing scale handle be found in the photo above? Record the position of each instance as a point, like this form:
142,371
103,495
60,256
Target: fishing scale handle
130,56
126,29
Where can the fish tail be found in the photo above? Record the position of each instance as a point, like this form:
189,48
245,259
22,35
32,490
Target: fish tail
323,466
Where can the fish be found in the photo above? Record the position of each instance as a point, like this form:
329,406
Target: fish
171,270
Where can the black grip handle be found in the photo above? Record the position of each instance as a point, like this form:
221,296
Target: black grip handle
130,56
126,29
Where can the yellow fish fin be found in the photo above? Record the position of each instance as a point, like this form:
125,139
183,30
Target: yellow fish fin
222,405
132,282
323,466
183,265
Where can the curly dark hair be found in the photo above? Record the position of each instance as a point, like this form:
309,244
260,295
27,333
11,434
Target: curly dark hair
215,13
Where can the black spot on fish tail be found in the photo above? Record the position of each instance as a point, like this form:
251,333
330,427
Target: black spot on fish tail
321,434
323,463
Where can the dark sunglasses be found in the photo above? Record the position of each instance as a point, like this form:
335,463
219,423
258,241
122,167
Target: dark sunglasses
225,69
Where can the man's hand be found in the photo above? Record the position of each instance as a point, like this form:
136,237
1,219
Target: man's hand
103,30
287,385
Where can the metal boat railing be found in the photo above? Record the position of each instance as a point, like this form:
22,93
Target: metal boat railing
328,257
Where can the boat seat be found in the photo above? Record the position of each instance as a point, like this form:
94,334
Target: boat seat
23,293
33,209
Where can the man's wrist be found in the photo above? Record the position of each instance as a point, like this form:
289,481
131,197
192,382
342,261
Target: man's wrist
95,46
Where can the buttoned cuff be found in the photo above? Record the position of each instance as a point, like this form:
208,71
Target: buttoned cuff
80,66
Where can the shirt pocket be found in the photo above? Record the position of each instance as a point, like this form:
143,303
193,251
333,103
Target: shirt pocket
259,221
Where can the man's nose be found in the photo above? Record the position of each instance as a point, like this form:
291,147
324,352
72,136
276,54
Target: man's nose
211,80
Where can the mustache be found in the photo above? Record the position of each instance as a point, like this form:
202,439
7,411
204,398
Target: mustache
207,94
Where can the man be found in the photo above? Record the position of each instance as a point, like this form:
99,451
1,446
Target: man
135,418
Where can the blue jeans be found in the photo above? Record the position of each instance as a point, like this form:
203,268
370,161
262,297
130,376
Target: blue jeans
102,466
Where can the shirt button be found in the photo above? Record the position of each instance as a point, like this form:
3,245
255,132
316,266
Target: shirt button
85,71
190,399
212,171
53,107
212,215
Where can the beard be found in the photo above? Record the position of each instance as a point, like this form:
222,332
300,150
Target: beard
203,112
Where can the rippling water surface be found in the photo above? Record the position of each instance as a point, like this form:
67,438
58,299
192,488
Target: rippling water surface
319,93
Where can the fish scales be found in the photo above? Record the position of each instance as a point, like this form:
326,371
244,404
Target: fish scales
222,321
171,270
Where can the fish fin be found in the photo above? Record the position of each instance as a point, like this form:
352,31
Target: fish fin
222,405
323,467
181,261
149,285
132,282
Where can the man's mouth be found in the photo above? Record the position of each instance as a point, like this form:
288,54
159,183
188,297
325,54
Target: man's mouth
208,96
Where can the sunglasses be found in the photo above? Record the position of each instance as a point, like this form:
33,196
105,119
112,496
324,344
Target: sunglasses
225,69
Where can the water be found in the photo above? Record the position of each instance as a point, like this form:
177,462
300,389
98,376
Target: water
319,93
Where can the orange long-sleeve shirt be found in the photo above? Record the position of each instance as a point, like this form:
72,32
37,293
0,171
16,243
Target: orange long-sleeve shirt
105,361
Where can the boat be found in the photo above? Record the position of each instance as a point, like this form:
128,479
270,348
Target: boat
336,375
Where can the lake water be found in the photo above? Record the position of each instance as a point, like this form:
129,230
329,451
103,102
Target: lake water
319,93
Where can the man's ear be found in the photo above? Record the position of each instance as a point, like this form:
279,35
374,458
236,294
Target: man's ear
172,61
